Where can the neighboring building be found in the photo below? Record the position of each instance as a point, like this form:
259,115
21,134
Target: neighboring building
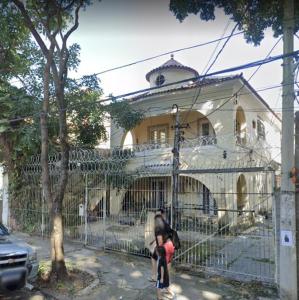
230,125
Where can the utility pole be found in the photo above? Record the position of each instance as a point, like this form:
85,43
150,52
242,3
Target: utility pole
288,259
297,190
178,137
175,169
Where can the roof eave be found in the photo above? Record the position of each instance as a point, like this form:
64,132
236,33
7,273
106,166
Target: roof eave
147,76
146,95
250,87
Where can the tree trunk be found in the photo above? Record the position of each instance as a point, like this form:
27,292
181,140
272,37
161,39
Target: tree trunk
59,72
57,252
58,270
7,151
57,249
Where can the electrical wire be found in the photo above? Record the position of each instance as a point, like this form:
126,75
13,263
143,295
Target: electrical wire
164,54
236,94
216,47
154,57
208,69
237,68
159,108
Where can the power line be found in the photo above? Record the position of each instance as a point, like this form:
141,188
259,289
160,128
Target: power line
164,54
216,47
268,54
236,94
260,89
157,56
153,108
209,68
229,97
193,79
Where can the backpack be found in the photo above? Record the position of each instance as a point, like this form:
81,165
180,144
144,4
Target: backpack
175,240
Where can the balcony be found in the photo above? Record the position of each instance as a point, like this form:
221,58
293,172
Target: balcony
168,144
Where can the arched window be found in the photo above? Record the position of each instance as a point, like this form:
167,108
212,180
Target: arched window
242,197
240,126
160,80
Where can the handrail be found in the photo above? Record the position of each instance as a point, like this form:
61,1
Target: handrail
190,143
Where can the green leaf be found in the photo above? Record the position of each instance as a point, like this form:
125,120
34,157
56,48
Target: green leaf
3,128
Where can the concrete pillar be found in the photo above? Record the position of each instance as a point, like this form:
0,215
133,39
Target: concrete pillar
116,135
115,202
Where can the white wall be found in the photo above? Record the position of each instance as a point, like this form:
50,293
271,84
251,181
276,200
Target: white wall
254,109
171,75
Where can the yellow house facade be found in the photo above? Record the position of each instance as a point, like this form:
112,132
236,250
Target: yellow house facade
229,126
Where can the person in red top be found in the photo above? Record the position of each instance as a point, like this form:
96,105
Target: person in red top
163,238
169,248
162,234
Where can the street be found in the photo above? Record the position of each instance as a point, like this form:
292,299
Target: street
23,294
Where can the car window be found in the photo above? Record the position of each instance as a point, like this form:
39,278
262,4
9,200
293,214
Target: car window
3,230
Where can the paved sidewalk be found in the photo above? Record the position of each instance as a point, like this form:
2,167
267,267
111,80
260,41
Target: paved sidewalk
124,277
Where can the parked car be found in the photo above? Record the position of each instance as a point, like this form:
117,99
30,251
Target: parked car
18,261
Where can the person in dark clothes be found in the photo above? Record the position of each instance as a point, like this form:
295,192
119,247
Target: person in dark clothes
162,272
162,235
162,212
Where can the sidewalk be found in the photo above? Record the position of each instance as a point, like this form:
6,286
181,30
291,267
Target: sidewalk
124,277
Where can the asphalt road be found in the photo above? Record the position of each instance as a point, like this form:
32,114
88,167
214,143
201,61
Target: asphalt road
23,294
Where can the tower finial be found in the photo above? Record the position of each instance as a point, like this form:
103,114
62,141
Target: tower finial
171,55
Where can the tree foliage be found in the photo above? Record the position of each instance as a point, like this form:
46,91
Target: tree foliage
22,63
18,133
15,41
68,112
253,16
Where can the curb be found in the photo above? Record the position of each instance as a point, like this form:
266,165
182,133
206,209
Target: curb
89,288
83,292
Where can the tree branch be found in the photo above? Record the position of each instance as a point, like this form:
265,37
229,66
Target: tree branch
31,26
69,5
64,51
76,24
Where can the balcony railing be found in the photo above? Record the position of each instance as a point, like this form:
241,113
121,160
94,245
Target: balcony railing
199,141
188,143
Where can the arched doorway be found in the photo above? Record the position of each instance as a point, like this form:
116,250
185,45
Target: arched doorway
240,126
242,197
158,130
151,193
147,193
127,140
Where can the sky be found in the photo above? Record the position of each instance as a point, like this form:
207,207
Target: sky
116,32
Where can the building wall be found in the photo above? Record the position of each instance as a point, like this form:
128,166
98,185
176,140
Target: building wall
223,200
159,111
254,111
171,76
160,106
141,132
217,98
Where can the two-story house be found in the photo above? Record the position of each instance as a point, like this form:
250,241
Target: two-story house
230,126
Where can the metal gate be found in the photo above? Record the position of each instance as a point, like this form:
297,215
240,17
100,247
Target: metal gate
226,223
223,218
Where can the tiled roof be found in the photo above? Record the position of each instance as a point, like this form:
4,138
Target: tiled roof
171,64
205,82
186,86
